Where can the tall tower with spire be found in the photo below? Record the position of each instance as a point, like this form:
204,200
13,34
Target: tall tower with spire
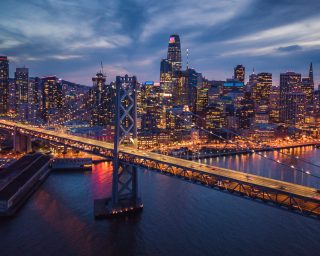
174,52
311,73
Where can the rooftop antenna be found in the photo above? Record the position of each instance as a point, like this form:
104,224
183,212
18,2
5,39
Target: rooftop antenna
187,58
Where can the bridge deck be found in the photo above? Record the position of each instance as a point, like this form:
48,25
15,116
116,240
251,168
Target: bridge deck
305,199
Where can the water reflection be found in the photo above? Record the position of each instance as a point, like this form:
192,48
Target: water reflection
258,165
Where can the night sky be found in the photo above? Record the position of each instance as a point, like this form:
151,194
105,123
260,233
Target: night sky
70,38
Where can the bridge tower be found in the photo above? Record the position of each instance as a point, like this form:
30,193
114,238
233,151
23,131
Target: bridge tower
125,197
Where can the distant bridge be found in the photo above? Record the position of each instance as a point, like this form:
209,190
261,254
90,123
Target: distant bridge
301,199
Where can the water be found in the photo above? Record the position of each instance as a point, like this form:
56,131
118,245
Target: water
179,218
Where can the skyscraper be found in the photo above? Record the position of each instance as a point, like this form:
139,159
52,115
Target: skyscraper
4,84
174,52
239,73
51,98
311,73
274,104
21,78
261,90
102,98
166,78
308,89
292,98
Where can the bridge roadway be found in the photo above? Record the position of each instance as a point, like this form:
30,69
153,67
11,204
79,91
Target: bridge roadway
301,199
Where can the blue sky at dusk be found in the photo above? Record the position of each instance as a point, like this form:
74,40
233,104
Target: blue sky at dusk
70,38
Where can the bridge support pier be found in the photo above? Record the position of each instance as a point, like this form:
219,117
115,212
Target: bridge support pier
125,197
21,142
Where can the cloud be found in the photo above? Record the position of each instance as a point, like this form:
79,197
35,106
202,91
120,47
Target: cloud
290,48
70,38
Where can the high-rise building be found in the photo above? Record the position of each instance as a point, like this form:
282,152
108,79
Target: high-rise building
4,84
166,77
215,117
180,92
311,73
21,78
185,91
253,79
34,100
239,73
292,98
174,52
151,105
245,113
103,100
261,90
51,98
295,108
274,105
308,88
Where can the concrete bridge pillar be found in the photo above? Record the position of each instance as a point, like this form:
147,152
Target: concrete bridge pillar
21,142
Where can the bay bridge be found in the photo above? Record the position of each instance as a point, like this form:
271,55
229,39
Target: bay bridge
294,197
128,159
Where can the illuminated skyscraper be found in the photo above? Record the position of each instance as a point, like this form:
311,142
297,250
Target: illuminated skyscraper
245,113
166,81
239,73
4,84
311,73
308,89
51,98
253,79
292,98
34,99
102,98
274,105
174,52
261,91
21,77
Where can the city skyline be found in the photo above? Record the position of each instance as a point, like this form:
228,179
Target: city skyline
93,33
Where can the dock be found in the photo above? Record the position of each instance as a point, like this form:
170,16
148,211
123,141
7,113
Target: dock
20,180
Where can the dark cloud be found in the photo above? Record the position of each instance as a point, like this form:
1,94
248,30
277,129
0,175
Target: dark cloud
290,48
70,38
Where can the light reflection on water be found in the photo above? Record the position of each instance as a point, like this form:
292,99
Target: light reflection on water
179,218
256,164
